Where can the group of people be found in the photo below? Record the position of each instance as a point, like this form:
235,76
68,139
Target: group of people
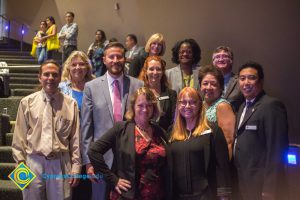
147,132
48,40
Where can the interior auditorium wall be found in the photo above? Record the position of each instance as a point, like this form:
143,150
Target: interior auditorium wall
264,31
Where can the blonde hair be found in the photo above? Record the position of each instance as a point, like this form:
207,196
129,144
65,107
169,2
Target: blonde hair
66,71
157,37
149,97
179,131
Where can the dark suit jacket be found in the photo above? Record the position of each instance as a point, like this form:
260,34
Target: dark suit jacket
167,101
120,139
261,144
137,64
233,93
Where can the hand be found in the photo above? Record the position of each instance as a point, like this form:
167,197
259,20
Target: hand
123,184
91,173
74,181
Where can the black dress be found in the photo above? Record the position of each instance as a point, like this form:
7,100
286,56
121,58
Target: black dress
199,167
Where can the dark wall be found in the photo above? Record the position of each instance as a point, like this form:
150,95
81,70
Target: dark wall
264,31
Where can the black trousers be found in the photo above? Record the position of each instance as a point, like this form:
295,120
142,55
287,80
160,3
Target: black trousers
67,50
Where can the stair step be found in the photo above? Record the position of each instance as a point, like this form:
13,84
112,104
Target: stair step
24,68
23,86
23,80
6,169
6,154
8,139
9,191
24,74
22,92
12,104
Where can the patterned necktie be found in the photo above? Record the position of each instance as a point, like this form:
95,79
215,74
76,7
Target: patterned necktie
47,128
248,104
117,102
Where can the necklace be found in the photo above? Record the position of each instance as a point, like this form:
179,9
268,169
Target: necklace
143,133
190,134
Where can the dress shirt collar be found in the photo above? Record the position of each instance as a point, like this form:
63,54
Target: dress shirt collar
111,79
46,96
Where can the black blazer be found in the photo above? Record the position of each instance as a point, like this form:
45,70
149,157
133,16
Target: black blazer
167,101
121,140
260,148
137,64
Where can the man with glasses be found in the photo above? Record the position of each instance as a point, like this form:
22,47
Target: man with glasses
261,139
222,58
68,34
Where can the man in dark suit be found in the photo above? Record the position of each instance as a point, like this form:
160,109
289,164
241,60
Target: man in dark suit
222,58
105,101
261,139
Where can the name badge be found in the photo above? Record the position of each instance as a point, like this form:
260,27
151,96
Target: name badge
163,98
251,127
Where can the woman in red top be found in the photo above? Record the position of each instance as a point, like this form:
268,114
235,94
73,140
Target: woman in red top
139,152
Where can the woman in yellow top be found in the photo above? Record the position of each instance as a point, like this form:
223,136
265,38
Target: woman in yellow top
51,37
38,45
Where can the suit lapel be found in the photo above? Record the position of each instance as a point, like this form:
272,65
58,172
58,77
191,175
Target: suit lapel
126,85
179,78
105,90
231,85
249,113
196,80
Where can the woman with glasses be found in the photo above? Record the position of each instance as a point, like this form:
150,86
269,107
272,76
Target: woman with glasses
138,145
218,110
153,75
198,159
76,72
186,54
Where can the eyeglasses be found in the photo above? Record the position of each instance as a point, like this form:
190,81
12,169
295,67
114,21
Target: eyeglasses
221,56
185,103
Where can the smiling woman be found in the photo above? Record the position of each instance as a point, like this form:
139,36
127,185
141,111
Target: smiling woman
77,71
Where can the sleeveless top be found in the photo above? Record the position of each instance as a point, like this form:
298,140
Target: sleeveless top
211,111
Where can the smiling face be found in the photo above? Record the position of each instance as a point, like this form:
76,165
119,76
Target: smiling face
50,78
223,61
250,84
189,107
210,88
114,61
143,109
155,48
78,69
185,54
154,72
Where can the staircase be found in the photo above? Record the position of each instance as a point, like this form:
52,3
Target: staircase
23,80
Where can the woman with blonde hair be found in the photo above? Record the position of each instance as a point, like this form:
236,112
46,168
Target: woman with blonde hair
138,145
198,159
155,46
154,77
76,72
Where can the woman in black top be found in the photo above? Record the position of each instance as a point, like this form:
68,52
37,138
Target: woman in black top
154,77
197,156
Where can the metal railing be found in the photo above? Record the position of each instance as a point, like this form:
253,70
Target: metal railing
14,29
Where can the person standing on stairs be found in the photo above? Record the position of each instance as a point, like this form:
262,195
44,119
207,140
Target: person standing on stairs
46,138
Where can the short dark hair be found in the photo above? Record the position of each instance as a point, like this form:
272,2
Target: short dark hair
114,44
254,65
133,37
51,19
210,69
195,48
51,61
70,13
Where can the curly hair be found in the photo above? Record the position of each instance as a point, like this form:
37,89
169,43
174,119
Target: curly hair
195,48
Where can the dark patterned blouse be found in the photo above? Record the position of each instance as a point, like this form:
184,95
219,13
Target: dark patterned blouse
150,158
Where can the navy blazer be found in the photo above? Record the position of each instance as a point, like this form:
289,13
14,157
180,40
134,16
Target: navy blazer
260,148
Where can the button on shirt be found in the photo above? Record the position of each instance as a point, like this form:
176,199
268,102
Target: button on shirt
28,128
